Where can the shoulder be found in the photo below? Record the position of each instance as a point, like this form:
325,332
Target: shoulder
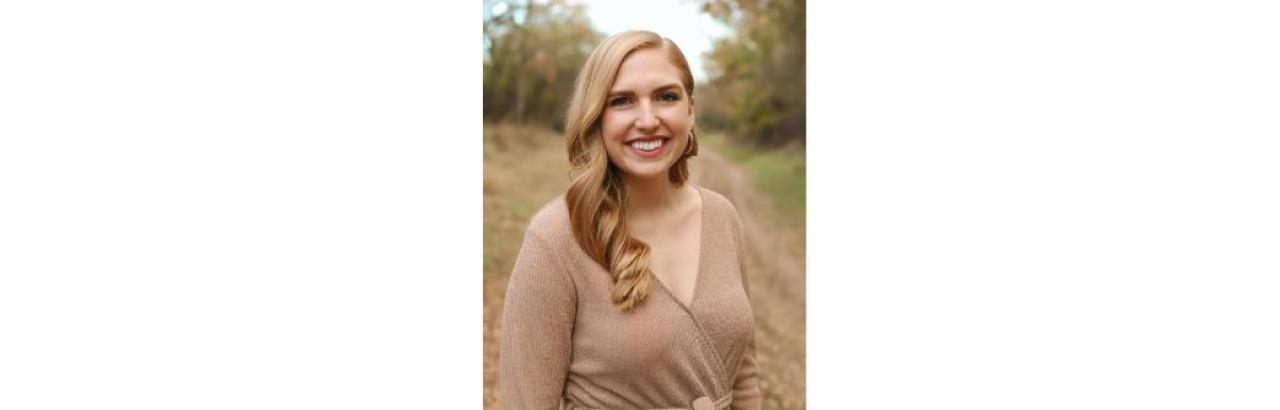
550,224
717,206
541,265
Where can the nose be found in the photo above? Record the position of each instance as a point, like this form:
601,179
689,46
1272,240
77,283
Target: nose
646,120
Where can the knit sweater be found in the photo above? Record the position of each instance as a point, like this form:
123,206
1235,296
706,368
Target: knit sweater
563,338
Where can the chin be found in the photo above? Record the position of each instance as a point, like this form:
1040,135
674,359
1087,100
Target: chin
647,172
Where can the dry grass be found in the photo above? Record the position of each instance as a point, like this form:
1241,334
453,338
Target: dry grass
524,167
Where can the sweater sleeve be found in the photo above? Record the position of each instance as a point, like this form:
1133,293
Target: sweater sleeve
746,385
537,328
746,388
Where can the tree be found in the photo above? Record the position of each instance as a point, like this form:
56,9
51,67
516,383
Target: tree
534,50
757,76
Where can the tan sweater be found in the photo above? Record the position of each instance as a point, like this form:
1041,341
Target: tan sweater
562,338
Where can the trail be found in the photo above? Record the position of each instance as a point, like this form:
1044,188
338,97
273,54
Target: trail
775,281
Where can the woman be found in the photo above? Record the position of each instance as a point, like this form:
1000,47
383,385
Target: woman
628,291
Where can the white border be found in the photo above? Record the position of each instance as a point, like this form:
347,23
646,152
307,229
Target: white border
1034,205
266,204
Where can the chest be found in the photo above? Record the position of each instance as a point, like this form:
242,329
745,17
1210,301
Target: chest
705,336
674,258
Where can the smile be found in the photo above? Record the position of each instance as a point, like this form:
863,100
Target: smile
648,147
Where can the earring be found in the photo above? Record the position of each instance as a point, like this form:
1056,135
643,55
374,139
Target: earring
688,148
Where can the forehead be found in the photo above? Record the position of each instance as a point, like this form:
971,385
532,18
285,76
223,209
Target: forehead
644,69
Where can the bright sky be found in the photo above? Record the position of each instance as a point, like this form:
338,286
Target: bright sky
679,20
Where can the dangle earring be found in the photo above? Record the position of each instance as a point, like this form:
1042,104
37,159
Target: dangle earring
688,148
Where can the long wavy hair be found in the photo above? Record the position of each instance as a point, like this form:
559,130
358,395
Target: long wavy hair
597,197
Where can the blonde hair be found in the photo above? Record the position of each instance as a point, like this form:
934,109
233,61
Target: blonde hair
597,198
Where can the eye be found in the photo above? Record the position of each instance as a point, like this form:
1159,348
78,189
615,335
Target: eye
669,96
619,101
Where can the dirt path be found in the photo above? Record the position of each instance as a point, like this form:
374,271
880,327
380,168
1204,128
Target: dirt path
775,279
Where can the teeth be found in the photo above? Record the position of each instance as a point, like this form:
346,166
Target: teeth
647,145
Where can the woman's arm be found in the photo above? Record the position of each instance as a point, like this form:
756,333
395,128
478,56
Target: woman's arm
746,385
746,388
537,327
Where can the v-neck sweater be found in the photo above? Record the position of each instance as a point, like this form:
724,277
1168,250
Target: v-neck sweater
564,339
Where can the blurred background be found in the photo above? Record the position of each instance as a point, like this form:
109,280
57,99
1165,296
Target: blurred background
748,58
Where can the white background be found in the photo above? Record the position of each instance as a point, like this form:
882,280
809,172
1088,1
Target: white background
277,204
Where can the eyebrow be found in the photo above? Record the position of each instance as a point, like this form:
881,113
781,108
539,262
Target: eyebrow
629,92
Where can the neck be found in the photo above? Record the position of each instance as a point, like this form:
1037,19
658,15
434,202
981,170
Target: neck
646,197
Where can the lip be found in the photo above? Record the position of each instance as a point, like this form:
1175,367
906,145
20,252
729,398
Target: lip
645,138
652,154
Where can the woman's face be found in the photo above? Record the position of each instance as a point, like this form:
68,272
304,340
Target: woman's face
647,115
